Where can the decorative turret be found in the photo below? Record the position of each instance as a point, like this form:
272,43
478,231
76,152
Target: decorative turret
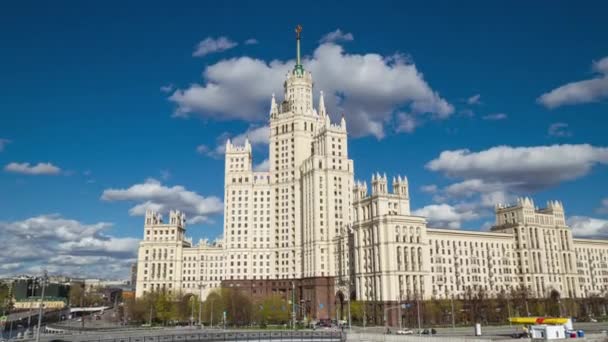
525,202
400,186
177,218
379,184
153,218
360,190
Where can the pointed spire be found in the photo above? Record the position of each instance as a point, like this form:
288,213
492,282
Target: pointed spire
322,111
343,121
247,144
298,69
273,106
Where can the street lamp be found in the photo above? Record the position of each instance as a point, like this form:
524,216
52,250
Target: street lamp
200,303
44,279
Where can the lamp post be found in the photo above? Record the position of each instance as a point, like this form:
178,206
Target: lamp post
211,323
293,305
349,299
44,280
200,304
453,319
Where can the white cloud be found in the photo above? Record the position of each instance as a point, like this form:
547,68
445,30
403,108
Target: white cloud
213,45
445,215
559,129
589,227
474,100
430,189
406,123
64,246
3,143
500,174
153,195
251,41
368,88
38,169
603,209
495,117
167,88
263,166
336,36
258,136
521,168
586,91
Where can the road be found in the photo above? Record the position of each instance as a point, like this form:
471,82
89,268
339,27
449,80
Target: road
188,333
495,332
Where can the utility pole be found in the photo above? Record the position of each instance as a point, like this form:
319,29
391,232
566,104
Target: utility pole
349,298
211,323
293,305
418,311
44,280
453,319
399,310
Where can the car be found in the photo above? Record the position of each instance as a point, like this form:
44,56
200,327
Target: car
405,332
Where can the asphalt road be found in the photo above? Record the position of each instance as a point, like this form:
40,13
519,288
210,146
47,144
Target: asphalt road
490,332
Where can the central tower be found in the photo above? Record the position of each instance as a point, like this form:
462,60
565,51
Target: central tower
292,125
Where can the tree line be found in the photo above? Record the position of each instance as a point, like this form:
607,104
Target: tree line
474,307
239,310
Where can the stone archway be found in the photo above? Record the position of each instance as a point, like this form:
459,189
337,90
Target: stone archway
340,303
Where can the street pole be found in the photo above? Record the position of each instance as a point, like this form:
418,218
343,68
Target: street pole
418,311
509,310
399,310
44,280
453,319
349,317
211,324
293,305
192,312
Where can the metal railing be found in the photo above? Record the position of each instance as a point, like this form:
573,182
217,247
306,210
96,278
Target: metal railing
295,336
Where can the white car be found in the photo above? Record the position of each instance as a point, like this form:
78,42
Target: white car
405,332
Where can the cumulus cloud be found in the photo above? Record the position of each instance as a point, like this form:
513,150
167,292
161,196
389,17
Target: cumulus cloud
337,36
559,129
474,100
521,168
501,174
33,170
153,195
406,123
445,215
430,189
495,117
368,88
251,41
588,227
586,91
258,136
64,246
3,143
213,45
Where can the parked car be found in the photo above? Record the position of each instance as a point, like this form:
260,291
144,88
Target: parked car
405,332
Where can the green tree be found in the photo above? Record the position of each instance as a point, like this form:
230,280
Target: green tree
356,311
273,309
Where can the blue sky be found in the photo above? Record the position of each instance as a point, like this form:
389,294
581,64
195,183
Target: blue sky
105,97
